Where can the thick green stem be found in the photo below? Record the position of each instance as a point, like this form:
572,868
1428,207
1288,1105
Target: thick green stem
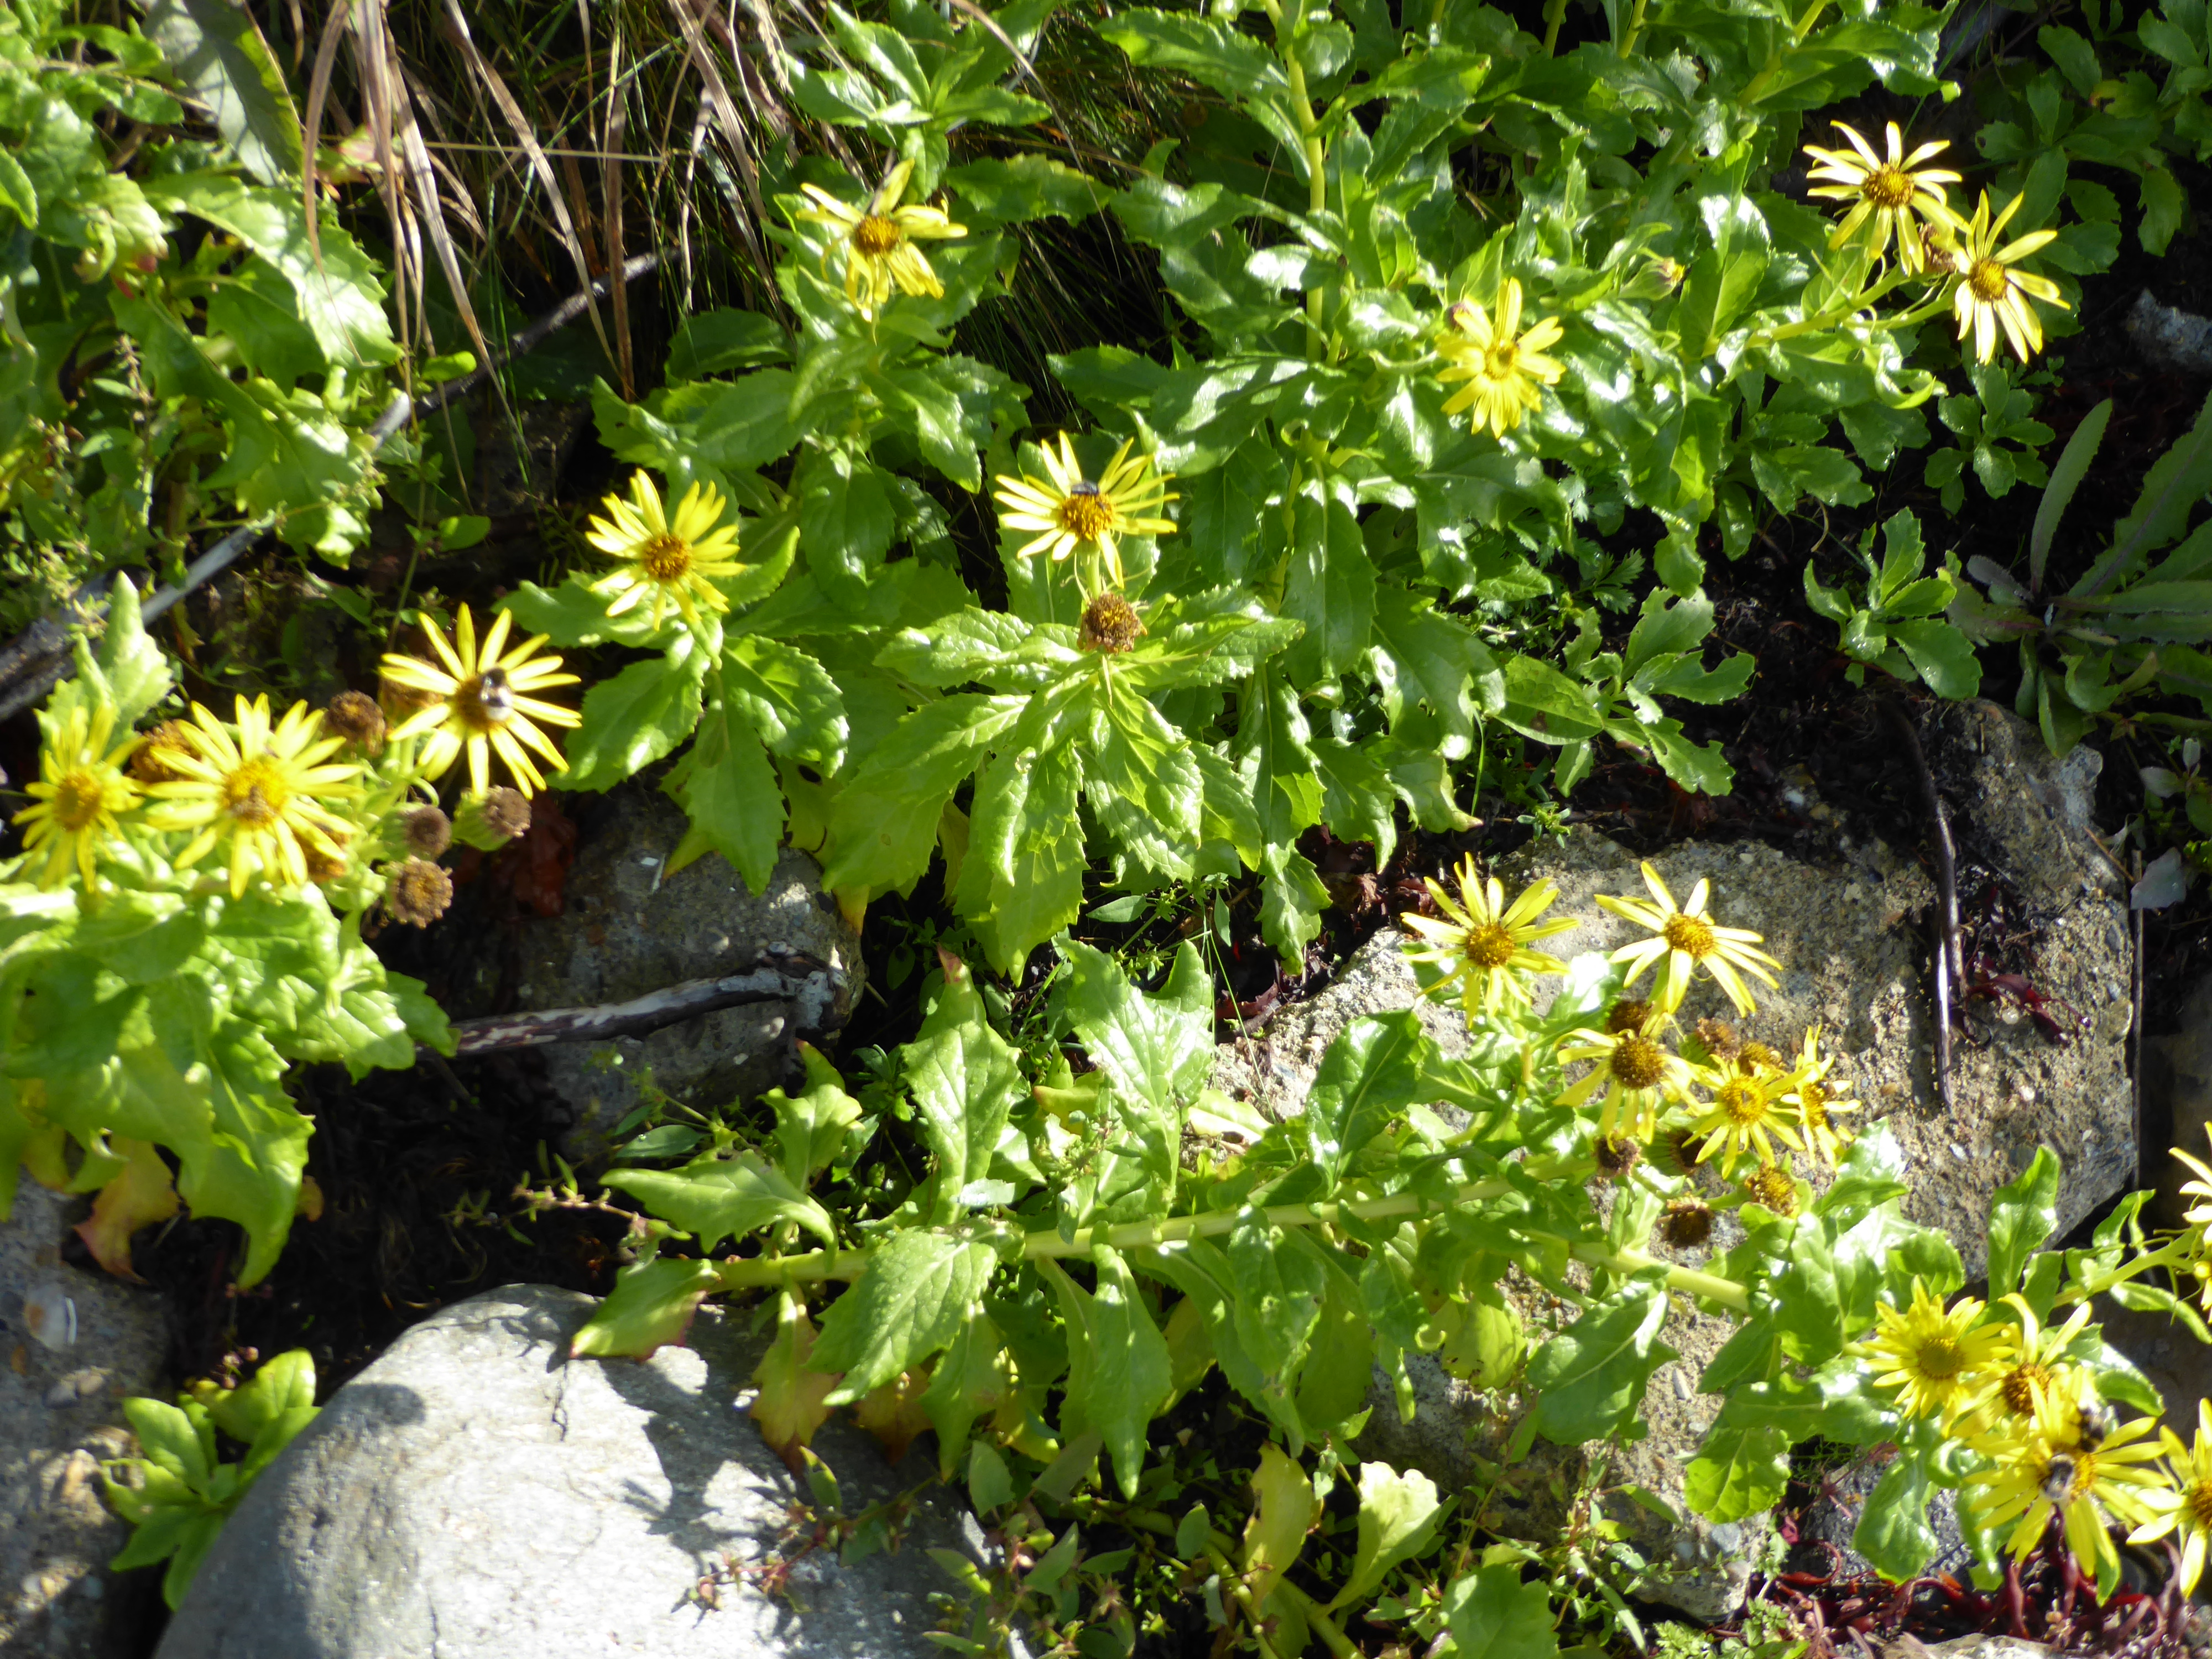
1843,313
1711,1286
1316,158
1635,28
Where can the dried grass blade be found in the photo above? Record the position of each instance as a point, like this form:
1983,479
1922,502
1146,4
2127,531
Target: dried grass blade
319,92
525,134
424,180
733,131
610,173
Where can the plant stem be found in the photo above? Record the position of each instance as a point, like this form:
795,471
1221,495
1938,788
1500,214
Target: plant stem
1317,157
1628,35
1711,1286
1843,313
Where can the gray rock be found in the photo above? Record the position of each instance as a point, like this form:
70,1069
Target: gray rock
625,931
60,1415
472,1496
2169,338
1854,963
2177,1091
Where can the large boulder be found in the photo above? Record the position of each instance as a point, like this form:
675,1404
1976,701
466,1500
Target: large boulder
1851,926
74,1343
627,927
476,1495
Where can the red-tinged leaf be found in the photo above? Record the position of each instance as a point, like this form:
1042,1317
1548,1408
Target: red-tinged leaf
789,1406
651,1305
141,1195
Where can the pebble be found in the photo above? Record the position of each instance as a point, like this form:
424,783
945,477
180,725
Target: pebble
78,1385
1960,1152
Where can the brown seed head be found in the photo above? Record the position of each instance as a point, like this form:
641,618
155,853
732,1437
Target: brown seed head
357,720
1615,1156
1757,1057
1109,625
428,831
1629,1014
1717,1038
149,762
417,892
1687,1224
1771,1185
507,811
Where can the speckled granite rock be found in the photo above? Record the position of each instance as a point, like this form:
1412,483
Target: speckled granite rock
626,931
59,1416
1854,939
472,1496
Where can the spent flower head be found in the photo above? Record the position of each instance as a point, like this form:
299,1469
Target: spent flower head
482,701
265,789
668,558
1503,364
1683,939
878,237
1890,197
1482,944
81,795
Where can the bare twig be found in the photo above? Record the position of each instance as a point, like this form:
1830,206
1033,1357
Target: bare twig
778,975
37,660
1950,969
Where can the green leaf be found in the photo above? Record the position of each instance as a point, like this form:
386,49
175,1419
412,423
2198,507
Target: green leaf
845,520
1119,1375
1590,1378
1493,1615
2022,1215
788,698
131,670
1277,766
883,825
284,1385
967,1383
17,192
1027,186
1398,1513
715,1198
572,614
731,793
1739,1471
1023,879
1371,1072
340,298
2065,478
1424,657
1894,1533
811,1128
2165,206
168,1441
1943,656
635,717
650,1307
964,1078
1330,587
217,50
921,1287
1278,1294
1201,47
1158,1047
715,342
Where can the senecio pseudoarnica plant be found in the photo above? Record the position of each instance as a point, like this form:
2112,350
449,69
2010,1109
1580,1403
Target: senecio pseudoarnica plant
1361,1231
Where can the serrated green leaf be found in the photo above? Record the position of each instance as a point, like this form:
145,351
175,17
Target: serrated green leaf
884,826
964,1078
921,1287
1118,1373
716,1198
635,719
1493,1615
651,1306
1397,1515
1590,1378
216,50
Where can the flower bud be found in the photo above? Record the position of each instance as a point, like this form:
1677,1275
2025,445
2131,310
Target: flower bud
487,822
1629,1014
1659,278
425,832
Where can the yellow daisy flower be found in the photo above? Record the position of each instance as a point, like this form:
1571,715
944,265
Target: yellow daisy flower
483,702
262,787
2058,1462
1067,511
2039,1360
1501,362
672,558
1816,1101
1483,945
80,792
1891,196
2188,1505
1991,292
1746,1117
1683,939
879,237
1935,1358
1635,1073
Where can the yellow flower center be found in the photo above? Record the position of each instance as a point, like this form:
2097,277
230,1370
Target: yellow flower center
1741,1102
1813,1102
1691,935
1086,514
2018,1388
1987,280
1939,1359
1490,946
255,795
79,799
1638,1062
665,558
875,235
2199,1499
1887,187
1502,361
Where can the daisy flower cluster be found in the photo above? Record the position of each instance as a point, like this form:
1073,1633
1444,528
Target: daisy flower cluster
338,798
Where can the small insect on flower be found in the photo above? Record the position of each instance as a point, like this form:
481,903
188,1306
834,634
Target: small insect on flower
667,558
263,788
80,795
1686,938
1482,944
2045,1466
1503,364
1890,196
483,702
879,237
1992,293
1936,1358
1066,511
